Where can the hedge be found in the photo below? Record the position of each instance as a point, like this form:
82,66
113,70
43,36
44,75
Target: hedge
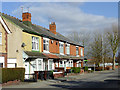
75,69
11,74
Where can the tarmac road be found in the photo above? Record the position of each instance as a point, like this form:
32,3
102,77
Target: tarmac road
101,79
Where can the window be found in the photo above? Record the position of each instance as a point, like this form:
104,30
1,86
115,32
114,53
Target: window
46,44
50,64
61,48
0,38
67,48
77,51
81,52
35,43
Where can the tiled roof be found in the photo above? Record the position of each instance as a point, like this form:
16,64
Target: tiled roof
38,30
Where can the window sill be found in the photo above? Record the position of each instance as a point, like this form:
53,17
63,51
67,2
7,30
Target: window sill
61,54
77,55
46,51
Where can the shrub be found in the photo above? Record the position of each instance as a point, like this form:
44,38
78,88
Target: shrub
11,74
86,68
75,69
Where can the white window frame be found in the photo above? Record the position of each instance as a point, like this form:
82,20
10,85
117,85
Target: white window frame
78,51
35,40
1,38
81,51
67,48
46,43
61,43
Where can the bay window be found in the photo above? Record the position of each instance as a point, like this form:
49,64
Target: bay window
50,64
60,64
0,38
35,43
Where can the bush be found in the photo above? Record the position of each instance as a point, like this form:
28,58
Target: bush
75,69
11,74
86,69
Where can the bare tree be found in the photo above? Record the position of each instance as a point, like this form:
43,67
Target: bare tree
95,49
114,41
82,38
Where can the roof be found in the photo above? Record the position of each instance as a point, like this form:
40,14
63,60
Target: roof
49,56
38,30
4,25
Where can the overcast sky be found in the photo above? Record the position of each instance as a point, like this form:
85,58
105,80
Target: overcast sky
74,16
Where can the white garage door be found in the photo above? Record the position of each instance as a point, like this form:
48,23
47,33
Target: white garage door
2,59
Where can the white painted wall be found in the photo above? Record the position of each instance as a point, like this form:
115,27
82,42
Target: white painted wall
2,60
11,63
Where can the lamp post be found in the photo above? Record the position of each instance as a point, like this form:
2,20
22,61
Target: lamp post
85,60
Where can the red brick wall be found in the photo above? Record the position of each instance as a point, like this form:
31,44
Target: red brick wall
53,47
80,51
73,50
74,64
42,44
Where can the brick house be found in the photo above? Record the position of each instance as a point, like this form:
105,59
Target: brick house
40,49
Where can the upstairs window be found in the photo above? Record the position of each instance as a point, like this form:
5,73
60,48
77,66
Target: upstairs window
77,51
46,44
81,51
35,43
67,48
0,38
61,48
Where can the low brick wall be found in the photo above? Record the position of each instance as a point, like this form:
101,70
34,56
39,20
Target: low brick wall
58,75
11,83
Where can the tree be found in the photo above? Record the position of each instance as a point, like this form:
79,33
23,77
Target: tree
82,38
113,39
95,49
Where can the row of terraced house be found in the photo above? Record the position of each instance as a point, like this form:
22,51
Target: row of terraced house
23,44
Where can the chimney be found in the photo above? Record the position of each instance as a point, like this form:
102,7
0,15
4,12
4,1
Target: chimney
26,18
52,27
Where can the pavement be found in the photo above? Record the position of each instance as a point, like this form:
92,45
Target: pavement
98,79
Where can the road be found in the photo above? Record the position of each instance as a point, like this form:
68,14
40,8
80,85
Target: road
101,79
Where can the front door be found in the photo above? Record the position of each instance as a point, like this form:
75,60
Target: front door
27,70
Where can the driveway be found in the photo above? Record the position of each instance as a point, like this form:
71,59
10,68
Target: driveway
99,79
